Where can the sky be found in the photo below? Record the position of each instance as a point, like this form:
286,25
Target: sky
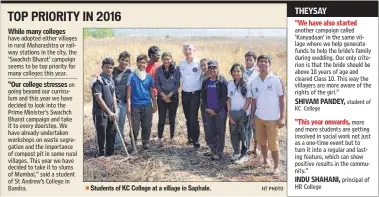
201,32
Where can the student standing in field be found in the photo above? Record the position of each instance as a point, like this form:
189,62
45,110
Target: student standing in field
239,99
167,83
204,69
251,72
154,53
153,63
104,108
141,101
190,72
268,104
204,75
120,76
214,96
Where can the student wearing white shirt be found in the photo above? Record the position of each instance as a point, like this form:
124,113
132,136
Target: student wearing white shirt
268,104
251,72
190,72
238,104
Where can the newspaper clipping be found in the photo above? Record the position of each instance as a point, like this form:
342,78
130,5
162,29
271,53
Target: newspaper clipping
189,99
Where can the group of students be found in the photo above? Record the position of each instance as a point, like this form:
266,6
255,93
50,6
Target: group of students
253,101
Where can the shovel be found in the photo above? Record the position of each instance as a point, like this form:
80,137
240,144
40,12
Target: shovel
122,141
132,136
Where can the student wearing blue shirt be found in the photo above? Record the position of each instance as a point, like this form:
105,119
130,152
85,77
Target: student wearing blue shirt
141,102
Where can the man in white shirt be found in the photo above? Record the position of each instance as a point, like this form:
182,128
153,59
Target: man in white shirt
190,71
268,104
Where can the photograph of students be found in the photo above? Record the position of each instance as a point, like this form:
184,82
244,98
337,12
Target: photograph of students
239,99
167,82
141,101
104,109
268,104
214,96
188,104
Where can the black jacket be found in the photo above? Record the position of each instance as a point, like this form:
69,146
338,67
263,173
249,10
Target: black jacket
222,93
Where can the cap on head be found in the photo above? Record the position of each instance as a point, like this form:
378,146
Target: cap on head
212,63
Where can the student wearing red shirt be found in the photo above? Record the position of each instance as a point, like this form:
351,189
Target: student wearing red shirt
154,53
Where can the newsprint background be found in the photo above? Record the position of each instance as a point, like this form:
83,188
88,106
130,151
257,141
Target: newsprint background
61,99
